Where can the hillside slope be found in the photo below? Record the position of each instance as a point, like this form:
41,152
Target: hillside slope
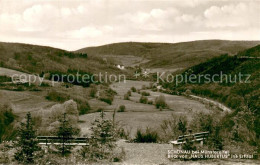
38,59
242,96
177,55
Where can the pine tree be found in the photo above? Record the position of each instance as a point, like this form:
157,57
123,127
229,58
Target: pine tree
65,133
27,142
102,141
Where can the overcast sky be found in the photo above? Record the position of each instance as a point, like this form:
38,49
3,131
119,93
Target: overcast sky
72,24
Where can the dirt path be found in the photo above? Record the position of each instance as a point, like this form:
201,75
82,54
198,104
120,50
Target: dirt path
219,105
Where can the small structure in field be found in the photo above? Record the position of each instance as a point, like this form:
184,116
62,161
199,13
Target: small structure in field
122,67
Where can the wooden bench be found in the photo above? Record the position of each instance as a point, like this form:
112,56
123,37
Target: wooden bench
48,140
197,137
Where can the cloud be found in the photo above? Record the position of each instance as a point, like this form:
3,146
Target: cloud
232,15
85,32
93,22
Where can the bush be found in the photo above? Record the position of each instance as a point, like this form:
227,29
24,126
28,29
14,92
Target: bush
143,100
160,102
121,108
145,93
129,93
172,128
100,109
57,96
189,145
150,102
107,100
126,96
107,96
146,137
133,89
93,91
83,106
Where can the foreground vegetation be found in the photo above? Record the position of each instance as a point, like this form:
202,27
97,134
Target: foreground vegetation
242,125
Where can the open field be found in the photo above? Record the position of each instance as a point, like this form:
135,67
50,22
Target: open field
23,102
126,60
138,115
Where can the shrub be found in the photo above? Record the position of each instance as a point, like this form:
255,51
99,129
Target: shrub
107,96
121,108
83,106
189,145
171,128
143,100
57,96
150,102
111,92
160,102
133,89
143,87
146,137
129,93
145,93
215,139
93,91
107,100
126,96
100,110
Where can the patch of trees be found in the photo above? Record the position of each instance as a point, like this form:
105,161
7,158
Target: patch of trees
72,54
75,77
